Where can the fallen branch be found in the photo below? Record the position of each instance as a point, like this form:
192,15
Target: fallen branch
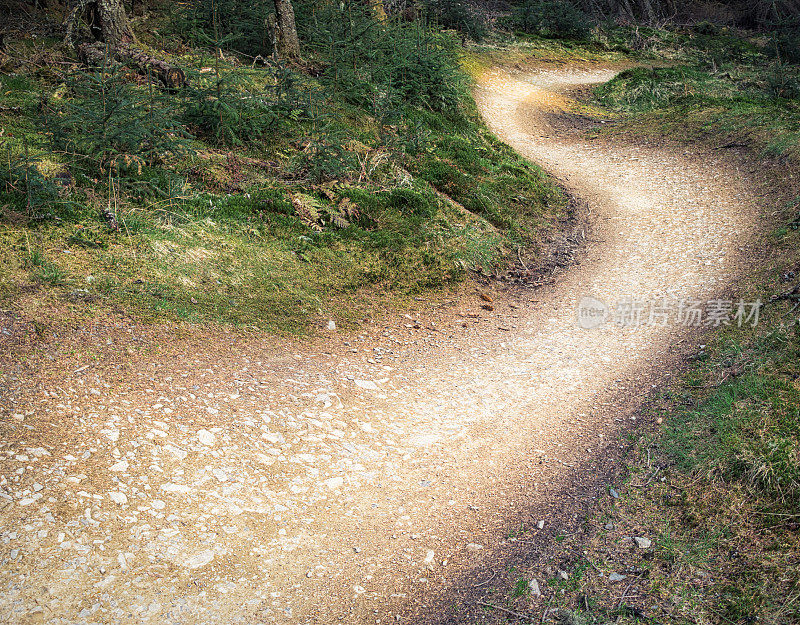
170,76
792,294
97,54
521,262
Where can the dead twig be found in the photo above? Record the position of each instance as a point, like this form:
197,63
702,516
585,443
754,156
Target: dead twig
479,585
521,262
506,611
624,594
733,144
794,293
546,610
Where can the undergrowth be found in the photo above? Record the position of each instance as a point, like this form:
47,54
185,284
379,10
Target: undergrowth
724,88
262,194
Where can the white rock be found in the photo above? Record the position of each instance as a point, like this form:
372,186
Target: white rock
113,434
331,325
220,475
533,585
120,466
429,557
157,504
366,384
199,559
642,543
179,453
175,488
474,547
123,561
105,581
540,525
116,497
616,577
334,482
29,500
206,437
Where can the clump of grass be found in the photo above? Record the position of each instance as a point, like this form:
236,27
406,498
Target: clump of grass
521,588
44,270
727,89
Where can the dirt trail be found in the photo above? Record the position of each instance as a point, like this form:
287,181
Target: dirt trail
338,483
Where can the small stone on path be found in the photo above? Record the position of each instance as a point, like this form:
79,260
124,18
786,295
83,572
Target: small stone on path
206,437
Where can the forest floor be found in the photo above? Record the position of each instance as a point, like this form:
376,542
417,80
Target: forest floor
193,476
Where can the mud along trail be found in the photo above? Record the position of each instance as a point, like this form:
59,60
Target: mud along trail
224,480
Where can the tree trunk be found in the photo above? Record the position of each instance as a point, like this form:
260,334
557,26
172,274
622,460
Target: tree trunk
137,7
649,14
287,42
109,22
626,6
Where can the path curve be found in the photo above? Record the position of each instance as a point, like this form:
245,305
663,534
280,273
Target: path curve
337,483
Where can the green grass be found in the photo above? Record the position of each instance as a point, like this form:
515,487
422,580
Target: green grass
521,588
724,90
279,227
716,488
733,480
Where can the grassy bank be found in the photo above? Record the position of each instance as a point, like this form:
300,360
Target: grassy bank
721,87
706,526
277,196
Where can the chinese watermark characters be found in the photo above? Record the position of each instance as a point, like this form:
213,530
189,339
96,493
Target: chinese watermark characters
630,312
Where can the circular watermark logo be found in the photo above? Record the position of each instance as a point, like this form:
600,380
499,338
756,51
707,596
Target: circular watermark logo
592,313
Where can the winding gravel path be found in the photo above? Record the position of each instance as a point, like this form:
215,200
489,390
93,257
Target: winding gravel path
338,483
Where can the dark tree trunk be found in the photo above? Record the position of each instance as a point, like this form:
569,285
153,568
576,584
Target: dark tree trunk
649,14
109,22
137,7
115,41
626,6
287,42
